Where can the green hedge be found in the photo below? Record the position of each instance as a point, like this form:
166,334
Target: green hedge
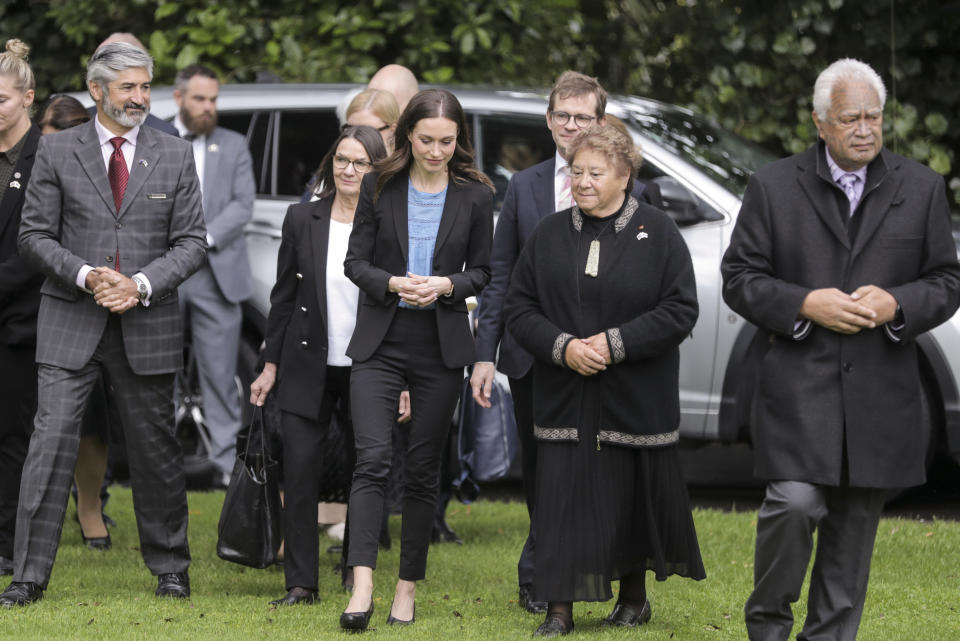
750,64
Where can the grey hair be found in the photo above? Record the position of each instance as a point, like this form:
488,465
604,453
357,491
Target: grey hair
110,59
844,69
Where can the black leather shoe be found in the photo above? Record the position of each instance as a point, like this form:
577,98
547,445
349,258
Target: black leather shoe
6,566
392,620
527,602
356,621
174,584
18,593
298,595
101,543
625,616
443,533
553,627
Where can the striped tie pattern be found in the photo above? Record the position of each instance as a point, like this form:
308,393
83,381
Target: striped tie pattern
566,197
118,175
848,182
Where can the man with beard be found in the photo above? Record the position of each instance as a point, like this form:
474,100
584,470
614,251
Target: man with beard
151,121
113,219
210,299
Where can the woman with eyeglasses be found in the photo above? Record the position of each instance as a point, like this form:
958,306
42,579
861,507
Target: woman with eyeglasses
420,246
313,309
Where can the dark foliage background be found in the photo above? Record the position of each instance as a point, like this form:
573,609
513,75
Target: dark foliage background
749,64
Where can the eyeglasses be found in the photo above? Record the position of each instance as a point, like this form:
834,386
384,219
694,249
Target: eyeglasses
561,118
360,166
346,126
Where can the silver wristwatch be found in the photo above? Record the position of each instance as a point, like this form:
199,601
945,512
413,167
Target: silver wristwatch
141,287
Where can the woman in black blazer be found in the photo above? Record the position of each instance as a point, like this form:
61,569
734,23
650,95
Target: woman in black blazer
312,314
420,246
19,288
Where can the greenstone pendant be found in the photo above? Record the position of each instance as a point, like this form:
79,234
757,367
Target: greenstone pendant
593,259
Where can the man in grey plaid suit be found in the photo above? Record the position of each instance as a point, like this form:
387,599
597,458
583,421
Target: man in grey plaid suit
113,219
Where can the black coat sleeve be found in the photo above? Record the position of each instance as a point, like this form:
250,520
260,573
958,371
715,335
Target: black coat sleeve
750,285
523,311
672,319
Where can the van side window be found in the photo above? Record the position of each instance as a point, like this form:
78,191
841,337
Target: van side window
305,137
685,207
253,125
510,144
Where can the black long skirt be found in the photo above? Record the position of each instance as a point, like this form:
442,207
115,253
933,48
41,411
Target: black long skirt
604,514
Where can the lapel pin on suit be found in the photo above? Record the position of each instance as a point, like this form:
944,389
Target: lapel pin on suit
15,184
213,148
144,163
642,233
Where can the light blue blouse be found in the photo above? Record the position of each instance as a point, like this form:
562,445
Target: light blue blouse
423,221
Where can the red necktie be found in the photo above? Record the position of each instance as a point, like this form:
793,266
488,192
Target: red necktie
118,175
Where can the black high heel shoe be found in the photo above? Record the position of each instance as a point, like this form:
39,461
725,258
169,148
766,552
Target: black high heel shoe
392,620
357,621
102,543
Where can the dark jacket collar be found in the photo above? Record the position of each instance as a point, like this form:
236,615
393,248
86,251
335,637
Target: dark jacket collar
878,191
626,213
13,196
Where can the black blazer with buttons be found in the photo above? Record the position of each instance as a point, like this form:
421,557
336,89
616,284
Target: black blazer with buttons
19,281
297,323
378,250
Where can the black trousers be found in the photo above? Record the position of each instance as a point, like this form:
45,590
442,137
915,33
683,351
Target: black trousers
522,391
409,357
303,440
18,400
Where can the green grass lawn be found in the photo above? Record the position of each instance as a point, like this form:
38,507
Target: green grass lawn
470,592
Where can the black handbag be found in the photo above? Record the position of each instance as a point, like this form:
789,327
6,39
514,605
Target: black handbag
250,531
487,442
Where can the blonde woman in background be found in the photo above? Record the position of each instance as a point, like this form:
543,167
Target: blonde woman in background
377,109
19,287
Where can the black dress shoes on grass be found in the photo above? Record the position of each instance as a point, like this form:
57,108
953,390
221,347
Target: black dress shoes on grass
443,533
392,620
553,626
356,621
102,543
527,602
174,584
18,593
298,595
626,616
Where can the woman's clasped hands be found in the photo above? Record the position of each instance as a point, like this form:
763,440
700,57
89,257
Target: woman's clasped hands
420,291
588,356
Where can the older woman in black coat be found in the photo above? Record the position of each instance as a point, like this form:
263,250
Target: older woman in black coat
603,295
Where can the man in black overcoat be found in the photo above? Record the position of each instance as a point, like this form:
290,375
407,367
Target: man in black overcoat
842,255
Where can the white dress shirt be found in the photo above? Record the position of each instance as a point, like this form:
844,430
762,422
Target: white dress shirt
561,171
128,149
